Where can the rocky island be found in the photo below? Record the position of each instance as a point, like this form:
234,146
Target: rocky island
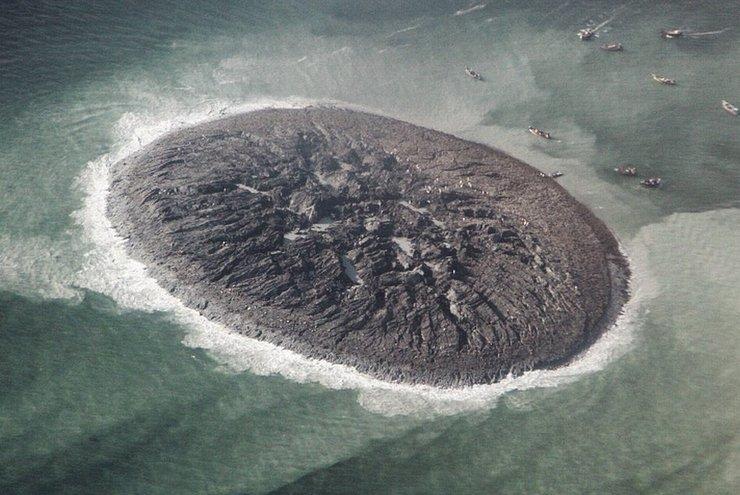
404,252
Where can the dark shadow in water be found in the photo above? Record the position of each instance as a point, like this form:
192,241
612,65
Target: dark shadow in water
103,457
380,466
88,466
67,357
377,470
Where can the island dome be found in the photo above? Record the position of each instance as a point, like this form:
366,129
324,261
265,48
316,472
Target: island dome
405,252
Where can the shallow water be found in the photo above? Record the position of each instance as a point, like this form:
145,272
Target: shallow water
109,385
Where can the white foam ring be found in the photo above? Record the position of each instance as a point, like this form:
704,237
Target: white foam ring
108,269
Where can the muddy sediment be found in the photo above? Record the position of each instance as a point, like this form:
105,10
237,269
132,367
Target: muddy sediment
404,252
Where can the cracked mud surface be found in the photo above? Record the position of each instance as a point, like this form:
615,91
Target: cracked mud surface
407,253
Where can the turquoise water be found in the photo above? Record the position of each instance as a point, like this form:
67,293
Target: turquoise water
108,385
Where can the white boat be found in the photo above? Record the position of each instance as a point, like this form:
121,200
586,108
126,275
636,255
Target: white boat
612,47
729,107
627,170
671,33
552,175
664,80
586,34
539,133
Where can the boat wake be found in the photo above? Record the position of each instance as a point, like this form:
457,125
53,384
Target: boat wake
706,33
404,30
605,23
460,12
108,269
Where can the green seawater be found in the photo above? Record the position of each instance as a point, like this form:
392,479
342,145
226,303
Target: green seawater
108,385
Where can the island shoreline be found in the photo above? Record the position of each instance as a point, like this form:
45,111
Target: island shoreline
616,266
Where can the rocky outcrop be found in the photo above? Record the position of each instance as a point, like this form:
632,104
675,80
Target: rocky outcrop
407,253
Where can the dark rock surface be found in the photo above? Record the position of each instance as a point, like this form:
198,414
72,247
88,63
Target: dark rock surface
404,252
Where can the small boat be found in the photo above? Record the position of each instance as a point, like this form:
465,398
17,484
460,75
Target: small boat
586,34
729,107
539,132
470,72
553,175
627,170
651,182
671,33
664,80
612,47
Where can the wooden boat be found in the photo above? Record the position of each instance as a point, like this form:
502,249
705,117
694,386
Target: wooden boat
664,80
586,34
671,33
470,72
539,133
612,47
729,107
651,182
627,170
